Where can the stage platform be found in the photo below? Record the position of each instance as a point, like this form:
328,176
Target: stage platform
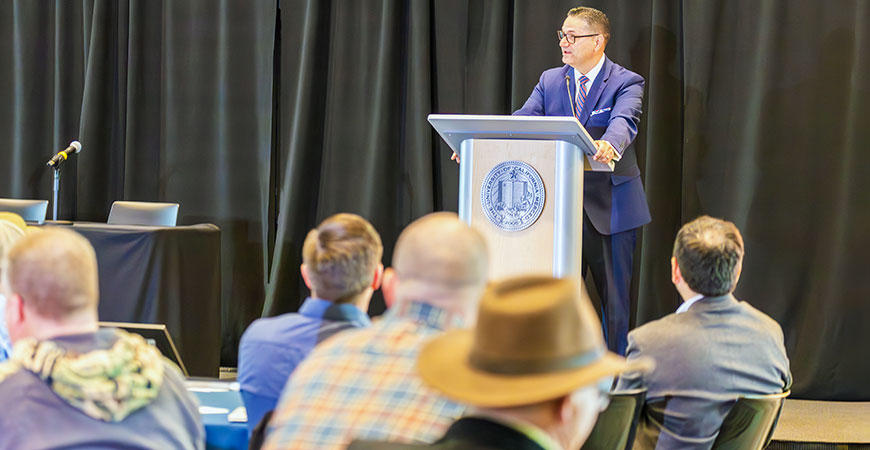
820,425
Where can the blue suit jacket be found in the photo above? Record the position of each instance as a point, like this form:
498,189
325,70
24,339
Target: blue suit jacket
614,202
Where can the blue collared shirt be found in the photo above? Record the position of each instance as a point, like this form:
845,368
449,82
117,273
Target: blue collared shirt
272,347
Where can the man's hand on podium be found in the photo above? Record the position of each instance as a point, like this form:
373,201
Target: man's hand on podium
455,157
606,152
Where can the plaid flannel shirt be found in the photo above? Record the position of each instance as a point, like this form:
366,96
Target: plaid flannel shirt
364,384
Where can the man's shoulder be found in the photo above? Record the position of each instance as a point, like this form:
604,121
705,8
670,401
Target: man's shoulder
363,346
556,74
25,400
15,383
271,328
666,325
680,327
761,319
351,339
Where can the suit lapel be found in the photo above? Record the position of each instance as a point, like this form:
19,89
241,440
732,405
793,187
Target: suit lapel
595,91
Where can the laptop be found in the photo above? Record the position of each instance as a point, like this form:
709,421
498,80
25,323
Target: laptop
32,211
155,334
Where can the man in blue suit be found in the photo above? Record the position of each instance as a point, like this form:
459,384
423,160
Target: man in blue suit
608,103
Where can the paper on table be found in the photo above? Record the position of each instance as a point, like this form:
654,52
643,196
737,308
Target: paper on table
240,414
206,389
212,410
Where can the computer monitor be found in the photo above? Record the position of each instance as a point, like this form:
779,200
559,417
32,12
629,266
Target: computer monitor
29,210
155,334
143,213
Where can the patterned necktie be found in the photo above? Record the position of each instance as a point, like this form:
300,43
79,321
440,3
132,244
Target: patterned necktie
581,95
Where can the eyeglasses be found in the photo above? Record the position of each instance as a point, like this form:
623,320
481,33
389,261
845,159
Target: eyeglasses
570,37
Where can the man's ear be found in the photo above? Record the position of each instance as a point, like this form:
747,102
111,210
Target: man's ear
676,275
739,270
565,409
14,309
388,286
378,278
599,42
304,271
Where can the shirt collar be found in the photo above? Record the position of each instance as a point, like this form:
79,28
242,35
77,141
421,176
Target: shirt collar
688,303
592,74
324,309
427,314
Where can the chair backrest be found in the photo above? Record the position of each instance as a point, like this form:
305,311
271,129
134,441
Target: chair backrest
750,423
258,434
144,213
29,210
617,424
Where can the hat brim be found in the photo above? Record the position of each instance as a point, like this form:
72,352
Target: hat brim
443,364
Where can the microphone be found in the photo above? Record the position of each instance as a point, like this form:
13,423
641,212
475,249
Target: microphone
570,99
74,147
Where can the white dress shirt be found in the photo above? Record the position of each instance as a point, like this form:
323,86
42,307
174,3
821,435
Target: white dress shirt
688,303
591,75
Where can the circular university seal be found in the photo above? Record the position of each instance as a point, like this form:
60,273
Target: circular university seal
512,195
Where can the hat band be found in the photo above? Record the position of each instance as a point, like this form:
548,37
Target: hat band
527,366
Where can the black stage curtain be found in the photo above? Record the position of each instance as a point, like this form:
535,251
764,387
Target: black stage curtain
266,116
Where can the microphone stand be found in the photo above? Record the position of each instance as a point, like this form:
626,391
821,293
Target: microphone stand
55,191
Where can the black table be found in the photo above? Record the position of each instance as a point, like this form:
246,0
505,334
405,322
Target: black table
168,275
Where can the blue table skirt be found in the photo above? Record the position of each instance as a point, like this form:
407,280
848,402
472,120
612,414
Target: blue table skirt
220,434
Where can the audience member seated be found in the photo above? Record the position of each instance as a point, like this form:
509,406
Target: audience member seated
363,383
69,384
12,228
341,265
535,369
714,349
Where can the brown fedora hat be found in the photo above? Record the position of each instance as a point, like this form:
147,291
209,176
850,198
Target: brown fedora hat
537,338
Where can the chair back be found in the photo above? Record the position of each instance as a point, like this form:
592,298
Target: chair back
258,433
144,213
750,423
617,424
29,210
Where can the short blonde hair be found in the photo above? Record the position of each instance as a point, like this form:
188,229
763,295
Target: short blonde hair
341,255
10,233
54,272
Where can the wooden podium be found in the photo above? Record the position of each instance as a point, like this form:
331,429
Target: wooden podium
521,185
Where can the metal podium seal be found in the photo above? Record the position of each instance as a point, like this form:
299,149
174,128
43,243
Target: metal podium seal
512,195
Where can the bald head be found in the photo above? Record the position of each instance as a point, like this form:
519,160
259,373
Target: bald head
54,272
440,259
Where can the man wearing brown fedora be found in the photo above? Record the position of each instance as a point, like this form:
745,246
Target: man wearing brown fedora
713,349
535,369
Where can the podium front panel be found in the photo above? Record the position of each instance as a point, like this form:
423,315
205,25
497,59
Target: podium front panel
550,245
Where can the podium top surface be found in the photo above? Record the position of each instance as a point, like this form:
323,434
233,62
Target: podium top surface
455,128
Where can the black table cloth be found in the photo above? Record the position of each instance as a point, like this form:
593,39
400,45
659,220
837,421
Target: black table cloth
168,275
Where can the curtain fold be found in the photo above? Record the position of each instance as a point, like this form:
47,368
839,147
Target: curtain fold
266,116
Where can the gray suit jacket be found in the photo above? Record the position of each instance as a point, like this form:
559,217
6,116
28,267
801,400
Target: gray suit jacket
718,350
